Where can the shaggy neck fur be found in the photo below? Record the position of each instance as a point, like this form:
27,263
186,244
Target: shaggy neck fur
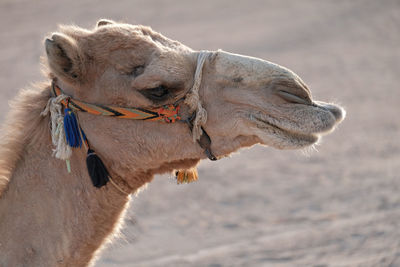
47,216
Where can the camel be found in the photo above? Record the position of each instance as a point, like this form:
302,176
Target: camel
52,216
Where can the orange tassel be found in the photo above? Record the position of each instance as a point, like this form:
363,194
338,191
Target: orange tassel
186,176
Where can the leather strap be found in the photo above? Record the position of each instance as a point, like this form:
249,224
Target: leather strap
204,141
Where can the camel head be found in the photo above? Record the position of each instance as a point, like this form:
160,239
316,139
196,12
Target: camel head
248,100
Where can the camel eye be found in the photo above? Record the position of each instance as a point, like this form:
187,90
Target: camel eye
136,71
157,94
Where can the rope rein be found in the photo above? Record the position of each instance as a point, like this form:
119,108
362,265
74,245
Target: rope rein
192,99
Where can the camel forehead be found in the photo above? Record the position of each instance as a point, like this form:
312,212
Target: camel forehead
125,36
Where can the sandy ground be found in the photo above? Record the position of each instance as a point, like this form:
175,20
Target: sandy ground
263,207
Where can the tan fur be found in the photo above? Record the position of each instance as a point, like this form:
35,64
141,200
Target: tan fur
21,127
49,217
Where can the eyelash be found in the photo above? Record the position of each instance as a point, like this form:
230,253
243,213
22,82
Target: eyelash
136,71
157,94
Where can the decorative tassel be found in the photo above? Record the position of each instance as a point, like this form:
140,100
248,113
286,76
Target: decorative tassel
97,171
71,128
186,176
68,163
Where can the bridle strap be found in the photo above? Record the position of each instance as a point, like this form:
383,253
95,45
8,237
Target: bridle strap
166,113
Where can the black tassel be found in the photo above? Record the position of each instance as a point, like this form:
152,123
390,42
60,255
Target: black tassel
97,171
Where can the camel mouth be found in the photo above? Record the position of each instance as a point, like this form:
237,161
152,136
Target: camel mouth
287,139
297,126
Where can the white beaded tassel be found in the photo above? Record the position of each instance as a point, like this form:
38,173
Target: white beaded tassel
62,150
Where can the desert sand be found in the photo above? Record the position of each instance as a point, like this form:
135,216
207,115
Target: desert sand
338,206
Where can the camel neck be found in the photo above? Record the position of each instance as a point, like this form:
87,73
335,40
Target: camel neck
49,217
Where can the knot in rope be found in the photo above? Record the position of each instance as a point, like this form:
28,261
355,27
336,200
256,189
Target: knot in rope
192,99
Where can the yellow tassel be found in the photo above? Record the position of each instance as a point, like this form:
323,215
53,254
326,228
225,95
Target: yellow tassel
186,176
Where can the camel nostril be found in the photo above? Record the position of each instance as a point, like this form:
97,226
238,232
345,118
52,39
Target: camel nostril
292,98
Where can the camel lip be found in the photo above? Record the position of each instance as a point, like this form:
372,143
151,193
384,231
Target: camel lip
322,120
337,111
267,123
273,125
309,138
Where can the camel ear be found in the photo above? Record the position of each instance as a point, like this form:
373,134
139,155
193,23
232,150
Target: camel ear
64,58
103,22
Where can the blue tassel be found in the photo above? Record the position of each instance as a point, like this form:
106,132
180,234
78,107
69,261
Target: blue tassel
72,129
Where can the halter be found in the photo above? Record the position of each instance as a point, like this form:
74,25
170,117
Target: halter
166,114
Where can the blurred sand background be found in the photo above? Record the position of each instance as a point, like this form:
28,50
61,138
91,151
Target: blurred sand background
263,207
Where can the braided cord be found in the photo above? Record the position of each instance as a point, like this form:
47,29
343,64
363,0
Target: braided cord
166,113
